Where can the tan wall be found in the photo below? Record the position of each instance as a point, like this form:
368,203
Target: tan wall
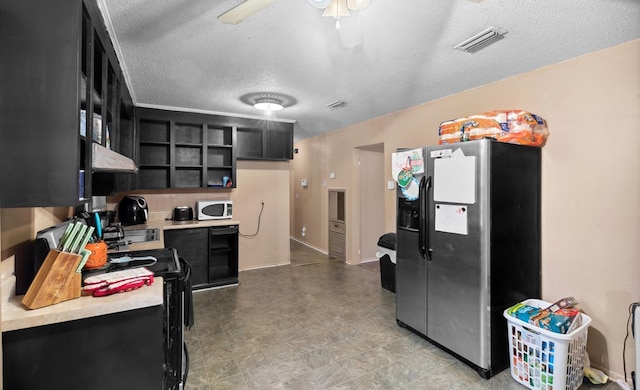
257,181
22,224
590,179
268,181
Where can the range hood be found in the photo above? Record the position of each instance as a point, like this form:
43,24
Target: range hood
106,160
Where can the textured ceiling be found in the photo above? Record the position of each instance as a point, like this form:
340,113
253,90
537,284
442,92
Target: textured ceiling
393,55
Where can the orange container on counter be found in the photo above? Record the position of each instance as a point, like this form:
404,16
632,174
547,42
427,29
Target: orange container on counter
98,256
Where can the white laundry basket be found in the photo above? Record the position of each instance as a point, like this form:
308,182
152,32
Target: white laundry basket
545,360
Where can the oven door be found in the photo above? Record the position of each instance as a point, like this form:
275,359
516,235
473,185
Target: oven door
178,315
187,318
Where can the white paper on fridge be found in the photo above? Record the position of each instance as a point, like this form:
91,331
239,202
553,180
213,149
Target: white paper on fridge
454,180
451,218
401,160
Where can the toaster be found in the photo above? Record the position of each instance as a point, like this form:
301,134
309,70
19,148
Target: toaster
183,213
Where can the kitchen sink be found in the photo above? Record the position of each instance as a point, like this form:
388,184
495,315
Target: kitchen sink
142,235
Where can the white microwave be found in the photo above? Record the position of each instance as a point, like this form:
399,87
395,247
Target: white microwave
214,209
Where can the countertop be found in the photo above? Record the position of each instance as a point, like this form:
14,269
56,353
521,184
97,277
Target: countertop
16,316
170,224
163,225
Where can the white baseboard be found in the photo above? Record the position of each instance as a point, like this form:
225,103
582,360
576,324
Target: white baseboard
310,246
263,266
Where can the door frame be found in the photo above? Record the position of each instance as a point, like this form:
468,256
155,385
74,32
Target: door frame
361,189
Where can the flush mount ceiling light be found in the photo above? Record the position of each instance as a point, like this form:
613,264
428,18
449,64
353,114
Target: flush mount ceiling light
339,8
268,104
268,101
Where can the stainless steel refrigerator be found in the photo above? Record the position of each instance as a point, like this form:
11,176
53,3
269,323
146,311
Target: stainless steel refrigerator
468,247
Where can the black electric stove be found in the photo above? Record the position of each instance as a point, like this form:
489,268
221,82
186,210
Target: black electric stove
178,307
167,264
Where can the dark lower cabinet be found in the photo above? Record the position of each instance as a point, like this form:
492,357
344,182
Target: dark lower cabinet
211,251
223,255
116,351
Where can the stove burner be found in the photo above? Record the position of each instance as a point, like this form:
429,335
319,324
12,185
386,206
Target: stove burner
167,264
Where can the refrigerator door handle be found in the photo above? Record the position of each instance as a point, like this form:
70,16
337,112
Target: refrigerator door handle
425,251
422,226
425,183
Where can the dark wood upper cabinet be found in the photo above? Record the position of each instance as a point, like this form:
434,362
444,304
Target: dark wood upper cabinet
185,150
123,141
270,141
193,150
61,92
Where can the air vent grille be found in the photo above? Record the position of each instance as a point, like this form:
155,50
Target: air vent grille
481,40
336,104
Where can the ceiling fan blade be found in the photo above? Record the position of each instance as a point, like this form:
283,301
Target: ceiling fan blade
243,10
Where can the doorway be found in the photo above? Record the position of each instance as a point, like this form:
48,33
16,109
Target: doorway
370,199
337,231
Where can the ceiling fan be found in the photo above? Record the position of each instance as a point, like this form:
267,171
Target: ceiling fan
243,10
335,8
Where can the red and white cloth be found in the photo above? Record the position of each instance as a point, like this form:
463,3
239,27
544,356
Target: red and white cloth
118,281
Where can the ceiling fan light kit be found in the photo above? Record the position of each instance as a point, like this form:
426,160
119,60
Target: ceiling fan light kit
339,8
333,8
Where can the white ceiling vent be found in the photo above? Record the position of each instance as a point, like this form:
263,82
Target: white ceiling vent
481,40
336,104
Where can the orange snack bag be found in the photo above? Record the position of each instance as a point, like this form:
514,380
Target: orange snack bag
510,126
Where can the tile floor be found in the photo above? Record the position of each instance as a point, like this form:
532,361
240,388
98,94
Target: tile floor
316,324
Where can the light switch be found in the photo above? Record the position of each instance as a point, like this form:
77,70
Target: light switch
391,185
304,183
332,175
